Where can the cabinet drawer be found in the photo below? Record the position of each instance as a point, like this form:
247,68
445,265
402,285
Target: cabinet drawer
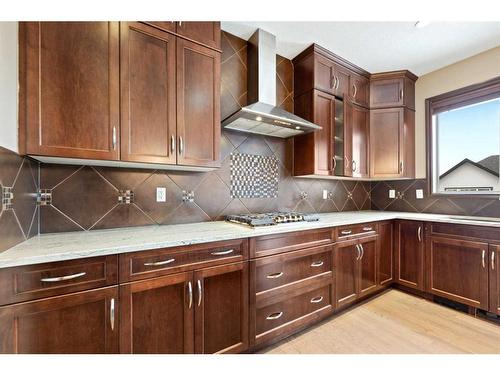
284,315
281,243
49,279
355,231
279,270
153,263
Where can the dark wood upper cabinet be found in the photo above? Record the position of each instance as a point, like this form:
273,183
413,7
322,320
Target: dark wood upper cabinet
69,83
198,104
157,315
148,94
458,270
393,89
207,33
410,246
221,309
170,26
359,90
392,143
494,265
385,256
358,136
79,323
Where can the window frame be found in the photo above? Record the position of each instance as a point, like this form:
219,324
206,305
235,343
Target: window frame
472,94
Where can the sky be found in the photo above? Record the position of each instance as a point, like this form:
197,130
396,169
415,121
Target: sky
471,132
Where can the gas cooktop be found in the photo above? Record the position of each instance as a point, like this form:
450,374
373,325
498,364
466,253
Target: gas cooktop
271,218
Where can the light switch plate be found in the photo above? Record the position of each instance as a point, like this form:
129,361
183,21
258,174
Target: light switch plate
161,194
419,193
325,194
392,193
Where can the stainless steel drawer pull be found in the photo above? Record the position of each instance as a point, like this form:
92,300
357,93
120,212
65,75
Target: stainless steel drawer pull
367,229
317,299
317,264
482,259
62,278
344,232
275,315
161,263
276,275
112,314
492,260
190,294
200,292
225,252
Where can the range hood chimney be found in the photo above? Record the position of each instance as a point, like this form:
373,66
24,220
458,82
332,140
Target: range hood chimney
262,116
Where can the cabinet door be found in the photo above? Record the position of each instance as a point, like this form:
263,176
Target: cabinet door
494,264
386,93
79,323
207,33
368,266
359,90
385,253
386,140
324,116
70,84
323,74
198,105
346,273
342,79
221,309
359,126
348,134
148,127
458,270
157,315
409,254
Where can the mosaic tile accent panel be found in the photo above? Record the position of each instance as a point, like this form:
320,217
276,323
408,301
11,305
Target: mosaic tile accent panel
254,176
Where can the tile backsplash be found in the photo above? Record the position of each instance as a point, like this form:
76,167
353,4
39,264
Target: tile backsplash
18,208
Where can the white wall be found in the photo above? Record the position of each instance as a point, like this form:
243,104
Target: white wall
475,69
8,85
468,176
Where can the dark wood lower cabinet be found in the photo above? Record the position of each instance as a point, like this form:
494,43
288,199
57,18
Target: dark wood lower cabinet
385,256
346,273
221,309
157,315
367,266
494,264
79,323
410,254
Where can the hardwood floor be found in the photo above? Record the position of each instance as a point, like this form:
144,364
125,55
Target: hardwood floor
395,323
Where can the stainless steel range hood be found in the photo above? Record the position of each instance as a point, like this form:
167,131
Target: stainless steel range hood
262,116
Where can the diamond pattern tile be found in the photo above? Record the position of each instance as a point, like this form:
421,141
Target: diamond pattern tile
124,178
212,195
24,202
128,215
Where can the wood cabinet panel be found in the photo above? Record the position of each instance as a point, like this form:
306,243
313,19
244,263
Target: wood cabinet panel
494,265
386,139
80,323
360,141
157,315
70,85
368,266
169,26
458,270
342,81
410,254
221,309
359,90
198,104
148,91
26,283
395,90
346,273
385,253
204,32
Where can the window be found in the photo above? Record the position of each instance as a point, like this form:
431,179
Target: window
463,128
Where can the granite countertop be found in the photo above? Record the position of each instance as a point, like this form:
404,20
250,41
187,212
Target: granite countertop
74,245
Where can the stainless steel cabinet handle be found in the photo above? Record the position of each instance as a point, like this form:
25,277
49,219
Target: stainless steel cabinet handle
112,314
354,165
401,94
190,294
482,259
355,91
419,234
362,251
333,81
172,143
358,251
346,162
275,315
492,260
401,166
317,264
276,275
225,252
181,145
180,23
114,138
338,83
334,163
367,229
317,299
161,263
63,278
200,292
345,232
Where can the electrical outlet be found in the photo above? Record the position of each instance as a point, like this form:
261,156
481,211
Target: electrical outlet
419,193
392,193
325,194
161,194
